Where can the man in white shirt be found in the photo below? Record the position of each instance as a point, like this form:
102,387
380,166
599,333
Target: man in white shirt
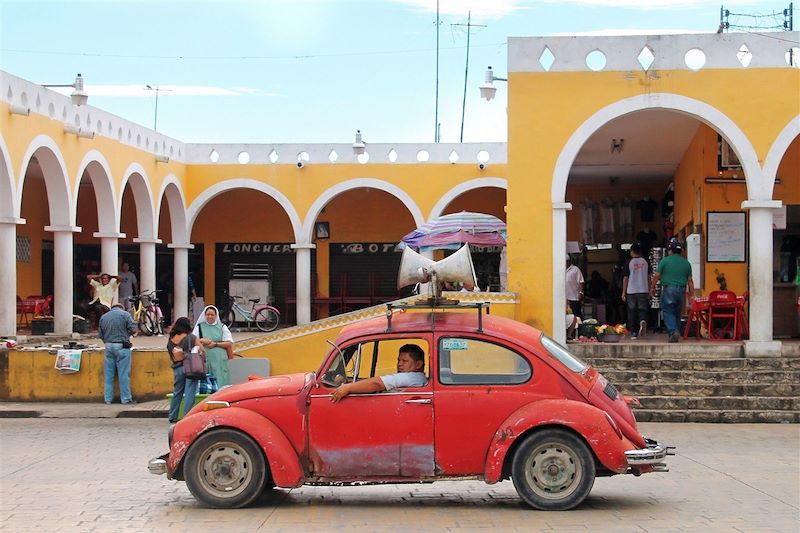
410,373
574,288
636,291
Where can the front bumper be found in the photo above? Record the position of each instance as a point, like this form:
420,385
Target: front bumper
652,456
158,465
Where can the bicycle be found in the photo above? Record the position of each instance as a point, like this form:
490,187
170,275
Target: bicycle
146,313
266,317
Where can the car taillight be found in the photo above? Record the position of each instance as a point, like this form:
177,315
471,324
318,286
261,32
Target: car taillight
633,402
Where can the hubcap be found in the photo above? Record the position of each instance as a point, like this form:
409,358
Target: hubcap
225,469
553,470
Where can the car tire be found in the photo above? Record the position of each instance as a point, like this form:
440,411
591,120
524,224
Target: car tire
225,469
553,470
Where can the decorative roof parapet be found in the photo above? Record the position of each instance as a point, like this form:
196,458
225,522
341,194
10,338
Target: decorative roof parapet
669,52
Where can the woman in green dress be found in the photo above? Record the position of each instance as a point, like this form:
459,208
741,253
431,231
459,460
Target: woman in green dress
217,339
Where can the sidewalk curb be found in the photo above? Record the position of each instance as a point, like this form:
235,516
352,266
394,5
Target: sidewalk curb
143,414
20,413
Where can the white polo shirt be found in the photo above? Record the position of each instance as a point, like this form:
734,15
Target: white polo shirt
574,280
404,379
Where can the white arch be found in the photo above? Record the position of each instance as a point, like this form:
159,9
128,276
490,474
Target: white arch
177,208
244,183
695,108
56,179
461,188
339,188
8,187
778,150
143,196
108,213
682,104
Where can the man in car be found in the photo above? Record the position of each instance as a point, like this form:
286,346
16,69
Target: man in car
410,373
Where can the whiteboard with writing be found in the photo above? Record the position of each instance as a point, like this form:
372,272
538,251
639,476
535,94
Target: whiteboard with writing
727,237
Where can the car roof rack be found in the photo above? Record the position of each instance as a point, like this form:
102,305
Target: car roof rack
434,304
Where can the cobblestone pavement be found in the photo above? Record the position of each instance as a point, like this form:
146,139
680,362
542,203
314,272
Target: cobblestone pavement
90,475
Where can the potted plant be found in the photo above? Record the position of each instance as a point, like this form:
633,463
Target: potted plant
609,333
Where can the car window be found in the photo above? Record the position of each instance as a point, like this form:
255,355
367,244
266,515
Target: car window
471,361
369,359
559,352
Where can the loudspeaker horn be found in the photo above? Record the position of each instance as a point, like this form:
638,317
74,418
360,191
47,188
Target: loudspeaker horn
458,268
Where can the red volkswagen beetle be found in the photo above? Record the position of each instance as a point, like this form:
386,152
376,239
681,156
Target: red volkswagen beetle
498,400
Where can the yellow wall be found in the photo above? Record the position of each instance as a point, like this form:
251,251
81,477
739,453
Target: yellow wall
540,126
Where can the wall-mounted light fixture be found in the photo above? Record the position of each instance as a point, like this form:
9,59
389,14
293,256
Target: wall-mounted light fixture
78,96
80,132
617,145
162,158
359,147
488,90
15,109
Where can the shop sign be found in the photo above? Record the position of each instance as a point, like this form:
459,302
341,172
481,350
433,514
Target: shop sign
254,248
367,248
486,249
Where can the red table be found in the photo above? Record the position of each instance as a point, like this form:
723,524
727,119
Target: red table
700,313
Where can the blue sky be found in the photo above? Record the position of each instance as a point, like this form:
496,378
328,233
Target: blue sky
295,71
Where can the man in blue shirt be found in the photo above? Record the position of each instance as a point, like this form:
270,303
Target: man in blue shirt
410,373
116,328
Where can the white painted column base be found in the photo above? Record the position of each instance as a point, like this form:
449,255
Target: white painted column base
302,259
559,333
8,278
147,264
760,263
180,284
763,348
63,277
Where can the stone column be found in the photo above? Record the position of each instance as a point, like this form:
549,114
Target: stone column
180,281
109,252
760,263
559,328
147,264
8,276
302,257
64,280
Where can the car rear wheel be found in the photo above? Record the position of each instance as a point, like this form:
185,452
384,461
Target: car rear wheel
553,470
225,469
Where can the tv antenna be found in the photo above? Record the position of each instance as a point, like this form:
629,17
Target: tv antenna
469,27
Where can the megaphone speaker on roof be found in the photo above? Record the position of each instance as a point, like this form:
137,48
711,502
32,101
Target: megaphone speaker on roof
458,268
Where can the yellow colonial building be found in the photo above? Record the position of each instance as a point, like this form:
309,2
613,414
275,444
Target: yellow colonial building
610,140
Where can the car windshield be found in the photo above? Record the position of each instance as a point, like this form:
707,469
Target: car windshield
561,353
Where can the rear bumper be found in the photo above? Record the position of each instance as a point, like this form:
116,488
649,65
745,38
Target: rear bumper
158,465
651,456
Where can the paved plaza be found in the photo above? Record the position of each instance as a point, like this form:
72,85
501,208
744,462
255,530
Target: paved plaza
90,475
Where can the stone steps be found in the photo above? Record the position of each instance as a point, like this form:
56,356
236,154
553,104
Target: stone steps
624,377
717,416
740,363
784,390
693,382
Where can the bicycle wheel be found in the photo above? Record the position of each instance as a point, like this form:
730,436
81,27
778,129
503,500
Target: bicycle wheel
142,322
227,317
146,319
156,320
267,319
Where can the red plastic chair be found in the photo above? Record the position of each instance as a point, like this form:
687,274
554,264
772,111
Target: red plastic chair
724,309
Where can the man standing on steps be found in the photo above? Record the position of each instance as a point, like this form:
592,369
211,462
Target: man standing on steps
116,328
675,274
574,288
635,291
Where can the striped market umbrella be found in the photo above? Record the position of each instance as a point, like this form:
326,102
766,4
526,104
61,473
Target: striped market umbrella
450,232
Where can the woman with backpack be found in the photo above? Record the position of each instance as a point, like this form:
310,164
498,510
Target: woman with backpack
180,344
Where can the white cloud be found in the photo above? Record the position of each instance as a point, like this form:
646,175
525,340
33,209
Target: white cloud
611,32
166,90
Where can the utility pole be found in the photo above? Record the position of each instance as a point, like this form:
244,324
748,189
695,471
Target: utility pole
436,117
469,26
157,89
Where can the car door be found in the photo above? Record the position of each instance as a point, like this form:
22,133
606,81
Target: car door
378,435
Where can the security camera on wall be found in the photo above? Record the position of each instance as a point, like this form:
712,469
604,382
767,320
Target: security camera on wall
301,164
483,166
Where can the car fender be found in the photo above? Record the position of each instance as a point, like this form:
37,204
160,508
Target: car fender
283,461
584,419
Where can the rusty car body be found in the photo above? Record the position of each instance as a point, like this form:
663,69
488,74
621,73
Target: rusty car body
502,401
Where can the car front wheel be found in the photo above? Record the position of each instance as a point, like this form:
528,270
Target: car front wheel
225,469
553,470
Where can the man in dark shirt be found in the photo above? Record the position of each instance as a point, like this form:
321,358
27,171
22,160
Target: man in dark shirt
116,328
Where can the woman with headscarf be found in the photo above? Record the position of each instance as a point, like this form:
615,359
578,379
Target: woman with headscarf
216,338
